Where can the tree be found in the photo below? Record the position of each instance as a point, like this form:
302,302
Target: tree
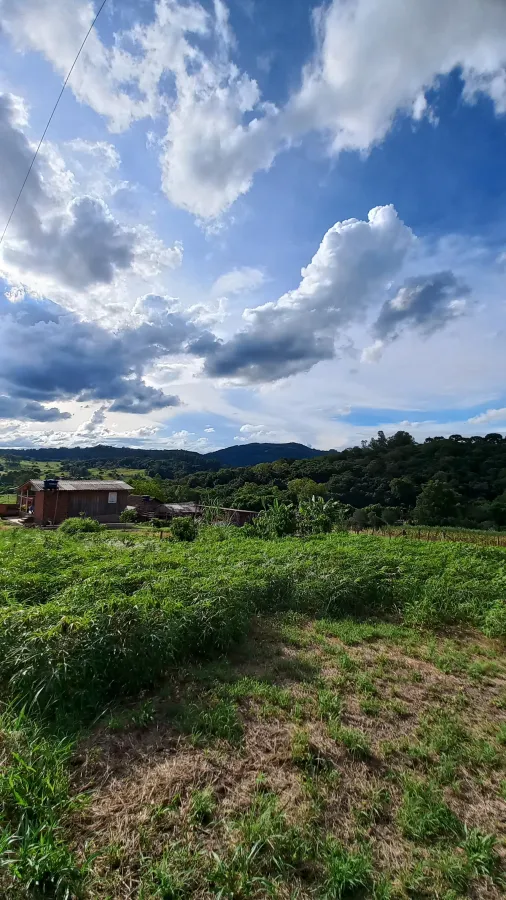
306,488
403,490
390,514
436,504
498,511
314,516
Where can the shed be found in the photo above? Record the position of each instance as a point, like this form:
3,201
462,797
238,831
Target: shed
53,500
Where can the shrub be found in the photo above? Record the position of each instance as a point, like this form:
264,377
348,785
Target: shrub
80,525
129,515
314,516
183,528
158,523
278,520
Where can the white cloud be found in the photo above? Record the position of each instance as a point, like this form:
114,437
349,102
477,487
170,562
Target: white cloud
373,353
491,415
60,241
92,431
251,433
186,440
209,430
238,281
353,266
379,57
373,59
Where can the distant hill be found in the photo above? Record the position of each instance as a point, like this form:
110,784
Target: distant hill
180,460
252,454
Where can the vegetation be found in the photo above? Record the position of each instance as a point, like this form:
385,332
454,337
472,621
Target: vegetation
446,482
80,525
183,528
129,515
245,717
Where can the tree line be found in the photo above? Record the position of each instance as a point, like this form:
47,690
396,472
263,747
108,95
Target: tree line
442,481
456,480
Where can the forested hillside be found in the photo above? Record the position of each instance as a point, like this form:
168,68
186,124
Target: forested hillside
453,480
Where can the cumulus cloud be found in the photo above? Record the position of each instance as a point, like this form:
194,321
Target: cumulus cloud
353,265
220,130
379,57
238,281
50,354
92,431
426,303
36,412
491,415
254,432
67,240
81,243
373,353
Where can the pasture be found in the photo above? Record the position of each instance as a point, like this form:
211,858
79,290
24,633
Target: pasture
242,718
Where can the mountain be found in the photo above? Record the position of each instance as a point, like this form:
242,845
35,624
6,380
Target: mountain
252,454
181,461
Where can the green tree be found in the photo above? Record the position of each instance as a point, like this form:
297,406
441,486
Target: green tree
436,504
390,514
498,511
314,516
403,490
306,488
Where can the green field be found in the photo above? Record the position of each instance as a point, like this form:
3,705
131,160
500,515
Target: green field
239,718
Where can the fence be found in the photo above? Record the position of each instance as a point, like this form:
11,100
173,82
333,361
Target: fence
427,534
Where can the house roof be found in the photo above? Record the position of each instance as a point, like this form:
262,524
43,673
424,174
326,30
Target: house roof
182,507
83,485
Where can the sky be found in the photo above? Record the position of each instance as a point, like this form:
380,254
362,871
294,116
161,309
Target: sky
252,221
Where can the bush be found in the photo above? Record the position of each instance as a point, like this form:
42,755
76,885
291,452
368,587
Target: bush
278,520
129,515
314,516
183,529
158,523
80,525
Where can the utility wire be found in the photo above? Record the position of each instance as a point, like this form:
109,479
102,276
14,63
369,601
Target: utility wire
13,210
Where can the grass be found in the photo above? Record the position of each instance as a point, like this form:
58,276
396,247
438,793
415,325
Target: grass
424,816
315,718
213,719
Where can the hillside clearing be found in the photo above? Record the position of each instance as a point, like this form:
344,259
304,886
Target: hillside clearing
323,759
240,718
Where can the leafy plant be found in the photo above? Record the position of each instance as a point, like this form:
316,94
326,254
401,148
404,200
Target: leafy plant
129,515
80,525
277,520
183,528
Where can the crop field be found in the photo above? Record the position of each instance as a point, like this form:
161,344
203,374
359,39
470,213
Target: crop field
486,538
244,718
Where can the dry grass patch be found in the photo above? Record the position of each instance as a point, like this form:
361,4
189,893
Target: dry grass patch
339,778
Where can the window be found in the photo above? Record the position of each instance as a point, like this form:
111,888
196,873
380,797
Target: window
113,497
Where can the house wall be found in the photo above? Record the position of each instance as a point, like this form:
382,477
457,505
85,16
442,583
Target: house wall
8,509
96,505
56,506
50,506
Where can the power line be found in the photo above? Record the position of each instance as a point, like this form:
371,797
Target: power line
39,145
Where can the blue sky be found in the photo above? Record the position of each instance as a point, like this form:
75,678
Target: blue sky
253,221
